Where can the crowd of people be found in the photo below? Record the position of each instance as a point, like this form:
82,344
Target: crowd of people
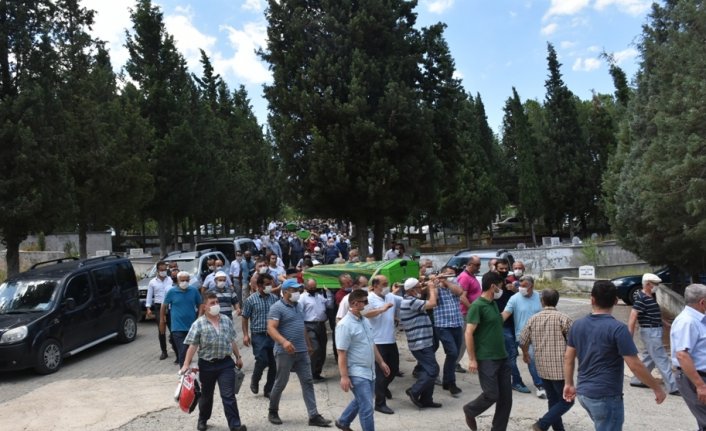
286,319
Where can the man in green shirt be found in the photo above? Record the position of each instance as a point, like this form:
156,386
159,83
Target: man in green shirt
487,356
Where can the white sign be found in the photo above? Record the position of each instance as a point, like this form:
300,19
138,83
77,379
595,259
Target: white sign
136,252
587,271
100,253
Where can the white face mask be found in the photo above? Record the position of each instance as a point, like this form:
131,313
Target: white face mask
214,310
498,294
268,289
219,268
523,291
294,297
385,291
518,273
221,284
183,285
162,273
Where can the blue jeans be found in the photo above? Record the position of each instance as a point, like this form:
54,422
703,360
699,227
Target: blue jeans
533,368
423,388
262,346
607,413
361,405
511,347
557,406
654,355
222,372
178,338
450,338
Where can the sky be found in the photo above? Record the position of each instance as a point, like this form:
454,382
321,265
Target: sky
496,44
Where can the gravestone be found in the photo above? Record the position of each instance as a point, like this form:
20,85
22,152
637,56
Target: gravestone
100,253
587,271
136,252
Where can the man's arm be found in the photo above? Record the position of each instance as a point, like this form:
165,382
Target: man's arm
377,311
246,331
569,364
637,368
190,352
471,347
432,301
632,321
454,288
162,318
381,362
525,340
273,332
236,352
686,363
343,370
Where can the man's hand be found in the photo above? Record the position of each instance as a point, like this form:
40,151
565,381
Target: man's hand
288,347
385,369
569,393
526,357
246,340
148,315
310,349
701,394
388,305
239,362
162,327
346,384
473,366
660,395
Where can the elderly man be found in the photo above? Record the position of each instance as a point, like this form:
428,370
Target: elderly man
471,291
209,282
420,340
521,307
183,304
226,295
449,325
380,312
601,343
647,314
547,332
285,325
312,305
356,355
688,340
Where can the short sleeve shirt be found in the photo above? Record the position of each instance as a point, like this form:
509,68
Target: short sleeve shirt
648,312
488,336
688,334
291,325
184,306
213,343
522,308
383,324
416,323
471,288
355,336
256,308
600,342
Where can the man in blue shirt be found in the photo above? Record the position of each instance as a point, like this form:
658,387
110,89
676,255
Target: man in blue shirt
357,356
184,304
688,340
601,343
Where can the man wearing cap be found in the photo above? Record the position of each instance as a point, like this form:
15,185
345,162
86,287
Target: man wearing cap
227,298
646,313
285,325
420,339
688,341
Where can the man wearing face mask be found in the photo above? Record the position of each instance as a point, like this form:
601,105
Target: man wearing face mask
520,308
420,339
255,310
235,273
285,324
183,304
156,291
227,298
380,312
209,283
487,355
214,337
449,324
471,291
313,306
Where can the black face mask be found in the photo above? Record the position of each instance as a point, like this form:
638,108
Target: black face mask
503,274
312,292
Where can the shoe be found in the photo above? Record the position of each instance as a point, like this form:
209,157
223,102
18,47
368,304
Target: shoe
384,409
273,417
541,393
240,428
412,398
415,374
254,387
319,379
470,420
388,394
638,385
319,421
437,382
521,388
536,427
267,395
176,361
163,356
455,390
201,426
399,374
460,369
675,393
341,426
432,405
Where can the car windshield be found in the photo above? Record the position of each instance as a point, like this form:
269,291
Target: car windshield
460,262
188,265
27,295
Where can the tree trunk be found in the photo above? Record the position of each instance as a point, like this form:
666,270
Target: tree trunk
431,234
82,239
361,234
379,237
13,254
534,234
467,234
164,227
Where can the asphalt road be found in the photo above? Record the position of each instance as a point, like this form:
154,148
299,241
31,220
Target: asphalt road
127,388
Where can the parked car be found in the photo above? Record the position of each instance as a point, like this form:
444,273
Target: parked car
193,262
459,260
229,246
508,224
629,286
61,307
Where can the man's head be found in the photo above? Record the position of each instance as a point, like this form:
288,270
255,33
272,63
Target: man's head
238,256
370,258
695,297
357,301
291,289
183,278
345,281
219,264
502,266
220,279
518,269
550,297
491,280
264,283
362,282
310,286
330,242
211,263
162,269
272,260
378,284
353,255
650,282
412,287
173,265
526,285
473,265
604,295
247,255
400,249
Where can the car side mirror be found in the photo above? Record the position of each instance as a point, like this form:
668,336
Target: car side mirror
70,303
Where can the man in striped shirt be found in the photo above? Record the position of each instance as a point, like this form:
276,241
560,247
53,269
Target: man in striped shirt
646,313
420,339
547,332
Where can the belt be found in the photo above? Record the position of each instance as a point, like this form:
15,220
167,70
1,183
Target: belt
213,361
701,373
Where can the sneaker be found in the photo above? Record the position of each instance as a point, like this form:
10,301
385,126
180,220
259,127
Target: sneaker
319,421
519,387
460,369
273,417
541,393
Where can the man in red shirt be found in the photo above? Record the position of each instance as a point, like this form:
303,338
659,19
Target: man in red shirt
471,290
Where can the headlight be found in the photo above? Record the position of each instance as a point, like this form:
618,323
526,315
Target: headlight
14,335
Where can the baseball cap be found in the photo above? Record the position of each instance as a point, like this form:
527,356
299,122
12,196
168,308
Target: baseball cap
291,283
651,278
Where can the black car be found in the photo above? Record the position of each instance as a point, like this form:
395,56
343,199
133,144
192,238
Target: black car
629,286
61,307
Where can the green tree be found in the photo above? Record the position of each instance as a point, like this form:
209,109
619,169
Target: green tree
660,208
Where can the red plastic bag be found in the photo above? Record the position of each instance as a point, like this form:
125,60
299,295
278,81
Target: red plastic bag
188,391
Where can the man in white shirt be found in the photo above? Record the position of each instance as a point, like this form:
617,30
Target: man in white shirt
312,305
156,291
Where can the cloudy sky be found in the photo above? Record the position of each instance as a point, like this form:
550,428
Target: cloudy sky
496,44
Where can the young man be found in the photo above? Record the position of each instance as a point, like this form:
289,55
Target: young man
601,343
213,336
487,355
357,355
156,292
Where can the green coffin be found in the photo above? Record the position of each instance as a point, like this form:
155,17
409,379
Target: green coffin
396,270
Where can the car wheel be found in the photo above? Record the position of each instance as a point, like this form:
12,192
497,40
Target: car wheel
49,357
128,329
632,295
